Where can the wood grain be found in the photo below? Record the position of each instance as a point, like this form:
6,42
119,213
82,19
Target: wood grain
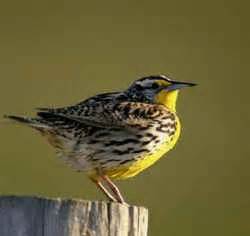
33,216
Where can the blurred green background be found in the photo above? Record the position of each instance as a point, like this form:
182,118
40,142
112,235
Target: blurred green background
60,52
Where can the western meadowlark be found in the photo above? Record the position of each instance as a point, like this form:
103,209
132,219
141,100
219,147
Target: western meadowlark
114,135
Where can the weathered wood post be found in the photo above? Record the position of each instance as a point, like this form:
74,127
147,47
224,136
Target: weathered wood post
33,216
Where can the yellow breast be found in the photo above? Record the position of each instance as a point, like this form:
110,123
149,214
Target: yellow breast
135,168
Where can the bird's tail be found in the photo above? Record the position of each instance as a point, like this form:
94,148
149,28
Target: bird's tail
32,122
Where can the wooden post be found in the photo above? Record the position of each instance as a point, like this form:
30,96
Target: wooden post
33,216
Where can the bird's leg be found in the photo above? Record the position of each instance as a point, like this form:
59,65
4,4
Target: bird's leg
114,189
103,189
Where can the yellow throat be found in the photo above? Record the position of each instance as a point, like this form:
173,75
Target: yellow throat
168,99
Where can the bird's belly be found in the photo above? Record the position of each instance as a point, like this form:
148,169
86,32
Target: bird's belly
120,155
133,168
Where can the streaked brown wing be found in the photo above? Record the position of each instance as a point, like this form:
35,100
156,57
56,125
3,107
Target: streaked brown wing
107,114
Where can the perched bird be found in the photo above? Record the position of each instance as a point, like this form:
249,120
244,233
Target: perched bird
114,135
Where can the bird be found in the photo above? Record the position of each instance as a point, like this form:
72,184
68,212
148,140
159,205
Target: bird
114,135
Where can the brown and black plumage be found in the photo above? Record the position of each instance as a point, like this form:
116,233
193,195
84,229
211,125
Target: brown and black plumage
114,135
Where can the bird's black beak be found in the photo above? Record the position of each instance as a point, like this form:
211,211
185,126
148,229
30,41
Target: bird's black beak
175,85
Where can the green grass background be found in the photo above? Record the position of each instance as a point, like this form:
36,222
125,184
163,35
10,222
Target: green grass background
60,52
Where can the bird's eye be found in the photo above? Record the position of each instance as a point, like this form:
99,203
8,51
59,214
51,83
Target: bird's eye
155,86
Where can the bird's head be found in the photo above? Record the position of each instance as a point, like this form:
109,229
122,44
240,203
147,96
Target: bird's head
157,89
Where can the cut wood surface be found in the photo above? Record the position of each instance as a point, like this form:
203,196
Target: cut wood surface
34,216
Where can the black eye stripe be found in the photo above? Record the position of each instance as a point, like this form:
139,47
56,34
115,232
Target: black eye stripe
139,87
